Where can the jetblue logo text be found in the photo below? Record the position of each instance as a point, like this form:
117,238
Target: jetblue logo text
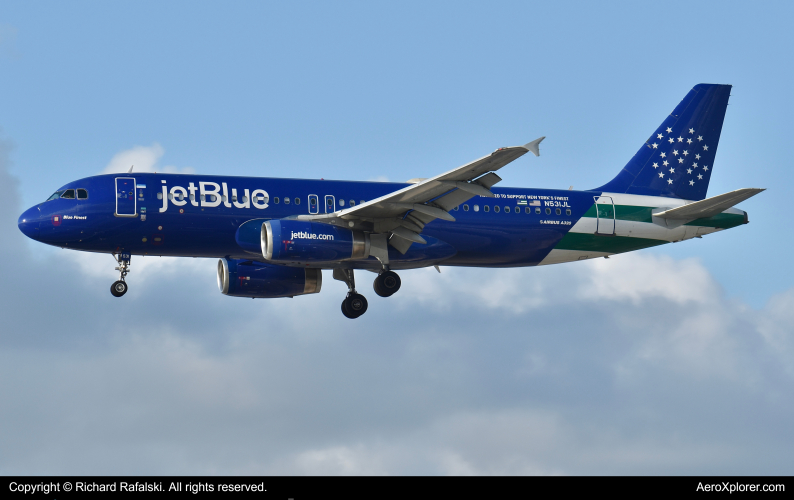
212,194
303,235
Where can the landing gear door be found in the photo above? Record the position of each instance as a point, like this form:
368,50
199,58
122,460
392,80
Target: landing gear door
605,215
125,197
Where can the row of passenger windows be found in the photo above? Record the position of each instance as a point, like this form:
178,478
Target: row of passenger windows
528,210
244,199
313,200
70,194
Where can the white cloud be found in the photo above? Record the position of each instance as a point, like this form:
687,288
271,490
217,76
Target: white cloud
142,159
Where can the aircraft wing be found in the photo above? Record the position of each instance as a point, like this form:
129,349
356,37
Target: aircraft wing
708,207
402,215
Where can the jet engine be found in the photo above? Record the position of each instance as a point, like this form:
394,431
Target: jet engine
304,241
247,278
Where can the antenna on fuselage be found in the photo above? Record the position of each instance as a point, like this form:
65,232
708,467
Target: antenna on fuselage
130,170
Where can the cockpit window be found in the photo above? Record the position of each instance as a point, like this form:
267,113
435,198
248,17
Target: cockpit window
55,195
69,193
82,194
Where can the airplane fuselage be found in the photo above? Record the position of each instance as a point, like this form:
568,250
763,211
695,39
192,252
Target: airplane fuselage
198,216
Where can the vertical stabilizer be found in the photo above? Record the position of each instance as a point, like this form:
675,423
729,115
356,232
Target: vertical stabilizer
677,160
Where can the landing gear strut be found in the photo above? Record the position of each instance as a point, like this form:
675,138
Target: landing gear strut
387,283
119,288
354,304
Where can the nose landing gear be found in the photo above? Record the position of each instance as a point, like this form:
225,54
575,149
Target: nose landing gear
119,288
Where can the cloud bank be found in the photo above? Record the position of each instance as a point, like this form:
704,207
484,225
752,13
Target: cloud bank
639,364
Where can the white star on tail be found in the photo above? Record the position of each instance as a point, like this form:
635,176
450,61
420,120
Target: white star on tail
691,183
655,165
675,152
670,140
689,170
672,170
655,145
669,130
697,157
705,148
680,139
663,155
705,168
686,153
689,141
661,175
700,176
691,131
669,181
659,136
680,160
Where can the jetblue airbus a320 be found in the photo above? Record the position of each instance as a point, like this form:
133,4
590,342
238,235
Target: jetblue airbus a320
275,236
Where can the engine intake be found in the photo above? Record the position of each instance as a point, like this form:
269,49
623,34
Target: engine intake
247,278
304,241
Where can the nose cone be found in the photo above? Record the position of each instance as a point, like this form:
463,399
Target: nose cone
29,223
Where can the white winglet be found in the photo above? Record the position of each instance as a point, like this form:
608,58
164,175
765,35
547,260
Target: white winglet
533,146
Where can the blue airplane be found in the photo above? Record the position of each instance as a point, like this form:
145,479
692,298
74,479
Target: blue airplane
275,236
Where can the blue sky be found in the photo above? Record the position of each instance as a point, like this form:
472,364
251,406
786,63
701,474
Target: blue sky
673,360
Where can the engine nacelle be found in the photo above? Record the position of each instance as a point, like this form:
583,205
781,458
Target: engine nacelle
246,278
303,241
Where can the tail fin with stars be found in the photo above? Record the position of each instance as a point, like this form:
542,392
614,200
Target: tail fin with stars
677,160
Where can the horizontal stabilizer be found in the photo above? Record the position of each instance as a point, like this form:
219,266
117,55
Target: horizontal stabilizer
534,146
710,206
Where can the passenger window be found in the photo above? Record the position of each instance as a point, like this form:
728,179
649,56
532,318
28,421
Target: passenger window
455,208
297,201
567,211
245,199
558,211
82,194
518,210
486,208
276,200
341,202
286,201
361,202
192,197
476,208
465,208
537,210
527,210
507,210
352,203
234,197
496,208
159,196
548,211
170,196
69,193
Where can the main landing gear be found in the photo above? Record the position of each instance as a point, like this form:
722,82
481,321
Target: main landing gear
119,288
387,283
355,304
